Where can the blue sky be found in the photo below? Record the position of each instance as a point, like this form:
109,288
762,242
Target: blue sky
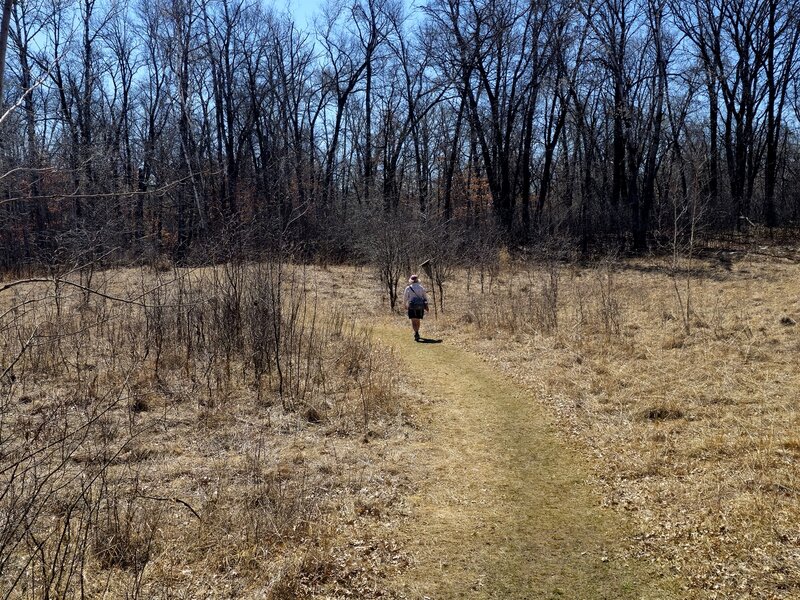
303,11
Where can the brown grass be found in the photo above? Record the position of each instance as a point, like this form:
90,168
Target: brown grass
173,462
691,422
506,511
181,448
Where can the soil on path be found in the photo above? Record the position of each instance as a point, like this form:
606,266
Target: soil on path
504,510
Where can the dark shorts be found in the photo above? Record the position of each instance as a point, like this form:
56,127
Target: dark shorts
416,313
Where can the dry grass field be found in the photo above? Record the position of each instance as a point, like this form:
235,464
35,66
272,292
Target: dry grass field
680,382
233,432
222,433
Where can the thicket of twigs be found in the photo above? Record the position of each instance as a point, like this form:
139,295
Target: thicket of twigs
177,429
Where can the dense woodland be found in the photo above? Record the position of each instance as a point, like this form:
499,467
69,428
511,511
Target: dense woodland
141,129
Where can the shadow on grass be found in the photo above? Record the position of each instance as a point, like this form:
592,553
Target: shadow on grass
423,340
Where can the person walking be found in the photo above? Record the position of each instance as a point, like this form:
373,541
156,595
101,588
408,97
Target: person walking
415,299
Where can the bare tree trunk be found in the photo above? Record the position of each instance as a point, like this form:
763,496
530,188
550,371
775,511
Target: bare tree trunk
451,163
22,41
4,27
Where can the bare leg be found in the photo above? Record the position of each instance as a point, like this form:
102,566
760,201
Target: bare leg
415,325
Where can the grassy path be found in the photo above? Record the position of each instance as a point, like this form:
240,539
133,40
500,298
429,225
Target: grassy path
505,511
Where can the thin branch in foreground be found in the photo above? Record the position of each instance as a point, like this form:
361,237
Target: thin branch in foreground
178,500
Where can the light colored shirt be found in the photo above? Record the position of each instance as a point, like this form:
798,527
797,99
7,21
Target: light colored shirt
414,290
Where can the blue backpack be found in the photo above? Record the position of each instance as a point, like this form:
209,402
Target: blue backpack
417,302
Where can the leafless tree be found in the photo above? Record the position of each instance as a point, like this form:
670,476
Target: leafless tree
181,125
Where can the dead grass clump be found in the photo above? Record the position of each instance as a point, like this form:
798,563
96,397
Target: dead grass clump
302,574
139,404
289,581
124,534
792,445
661,413
284,506
674,342
312,415
609,308
467,318
138,453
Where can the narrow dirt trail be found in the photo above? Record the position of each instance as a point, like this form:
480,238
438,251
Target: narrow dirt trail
505,510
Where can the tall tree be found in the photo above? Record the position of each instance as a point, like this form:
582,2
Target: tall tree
4,29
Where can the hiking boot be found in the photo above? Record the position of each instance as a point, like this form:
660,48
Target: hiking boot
416,336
